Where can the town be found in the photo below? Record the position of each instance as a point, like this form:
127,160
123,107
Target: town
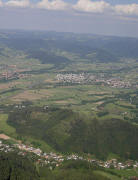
53,159
11,72
84,78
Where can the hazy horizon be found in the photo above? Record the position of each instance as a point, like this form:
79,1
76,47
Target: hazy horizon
77,33
116,18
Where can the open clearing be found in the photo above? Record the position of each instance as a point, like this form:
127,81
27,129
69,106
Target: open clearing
8,85
27,95
3,136
113,177
5,128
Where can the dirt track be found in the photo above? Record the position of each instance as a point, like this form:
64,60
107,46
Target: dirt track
3,136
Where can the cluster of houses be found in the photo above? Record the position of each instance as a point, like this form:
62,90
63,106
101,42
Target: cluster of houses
54,160
20,106
9,75
10,72
90,78
24,147
115,82
6,148
113,163
71,78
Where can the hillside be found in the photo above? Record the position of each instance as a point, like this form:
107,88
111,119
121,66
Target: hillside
50,47
70,93
13,166
67,131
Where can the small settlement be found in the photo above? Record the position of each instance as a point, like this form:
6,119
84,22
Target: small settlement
83,78
54,160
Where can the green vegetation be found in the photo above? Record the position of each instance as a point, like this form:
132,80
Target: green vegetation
13,166
5,128
125,173
67,131
76,170
110,176
96,116
26,167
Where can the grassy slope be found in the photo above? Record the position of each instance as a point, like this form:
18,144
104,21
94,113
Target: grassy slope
65,131
112,177
5,128
75,97
125,173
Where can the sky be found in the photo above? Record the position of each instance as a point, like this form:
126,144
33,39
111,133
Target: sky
107,17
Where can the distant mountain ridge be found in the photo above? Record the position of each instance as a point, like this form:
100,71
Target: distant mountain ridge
106,49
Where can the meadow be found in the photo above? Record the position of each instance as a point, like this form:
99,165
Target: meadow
32,83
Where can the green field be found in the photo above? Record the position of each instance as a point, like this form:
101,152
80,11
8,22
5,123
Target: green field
126,173
96,115
5,128
113,177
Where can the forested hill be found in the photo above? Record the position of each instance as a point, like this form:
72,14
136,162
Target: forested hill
13,166
47,46
16,167
67,131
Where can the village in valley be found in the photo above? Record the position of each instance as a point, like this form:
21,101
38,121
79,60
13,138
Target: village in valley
52,159
61,106
12,72
84,78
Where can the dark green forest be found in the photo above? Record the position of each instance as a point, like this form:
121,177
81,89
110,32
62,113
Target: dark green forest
13,166
16,167
67,131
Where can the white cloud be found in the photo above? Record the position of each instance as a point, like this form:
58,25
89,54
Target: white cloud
18,3
91,6
99,6
1,4
52,5
129,9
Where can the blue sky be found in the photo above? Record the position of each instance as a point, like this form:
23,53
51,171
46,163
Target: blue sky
109,17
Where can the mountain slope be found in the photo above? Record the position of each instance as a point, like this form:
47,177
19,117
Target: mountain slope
67,131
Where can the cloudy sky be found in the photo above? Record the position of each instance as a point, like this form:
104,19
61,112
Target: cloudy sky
109,17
